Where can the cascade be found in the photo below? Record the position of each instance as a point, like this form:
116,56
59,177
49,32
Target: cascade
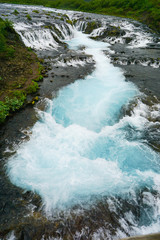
90,151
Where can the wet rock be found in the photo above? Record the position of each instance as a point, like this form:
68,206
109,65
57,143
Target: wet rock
91,26
114,32
110,32
128,40
154,45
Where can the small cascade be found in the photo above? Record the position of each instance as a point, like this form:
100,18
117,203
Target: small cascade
65,31
80,25
73,61
39,39
43,36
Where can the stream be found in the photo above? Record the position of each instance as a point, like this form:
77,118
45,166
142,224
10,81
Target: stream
88,156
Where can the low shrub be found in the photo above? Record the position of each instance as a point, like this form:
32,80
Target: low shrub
32,88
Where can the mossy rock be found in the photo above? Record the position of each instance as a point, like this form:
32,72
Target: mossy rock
35,11
28,17
112,31
91,26
128,40
15,12
69,22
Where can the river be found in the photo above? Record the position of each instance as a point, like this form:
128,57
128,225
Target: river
85,154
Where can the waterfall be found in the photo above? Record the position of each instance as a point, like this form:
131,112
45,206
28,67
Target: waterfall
83,150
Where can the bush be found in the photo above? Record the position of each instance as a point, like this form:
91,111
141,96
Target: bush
32,88
16,101
11,104
4,111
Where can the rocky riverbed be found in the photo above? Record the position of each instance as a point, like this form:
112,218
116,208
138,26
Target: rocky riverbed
132,47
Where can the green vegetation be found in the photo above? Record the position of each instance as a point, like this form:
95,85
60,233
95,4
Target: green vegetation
91,26
15,12
12,103
20,69
35,11
32,88
5,29
146,11
28,17
69,22
4,111
15,101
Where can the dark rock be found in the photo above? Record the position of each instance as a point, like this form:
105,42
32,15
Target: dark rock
109,32
128,40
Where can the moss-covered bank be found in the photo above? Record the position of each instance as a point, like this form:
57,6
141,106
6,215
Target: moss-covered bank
20,70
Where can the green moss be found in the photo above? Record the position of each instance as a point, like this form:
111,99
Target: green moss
6,28
35,11
32,88
11,103
28,17
29,49
48,27
15,101
15,12
40,67
40,78
69,22
75,21
66,16
4,111
17,85
91,26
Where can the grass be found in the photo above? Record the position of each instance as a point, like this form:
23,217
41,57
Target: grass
6,51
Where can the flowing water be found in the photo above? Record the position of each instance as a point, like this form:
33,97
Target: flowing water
82,149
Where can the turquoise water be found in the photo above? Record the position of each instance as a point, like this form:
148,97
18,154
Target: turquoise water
80,148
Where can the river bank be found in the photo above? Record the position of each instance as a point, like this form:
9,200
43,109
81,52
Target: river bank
20,70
